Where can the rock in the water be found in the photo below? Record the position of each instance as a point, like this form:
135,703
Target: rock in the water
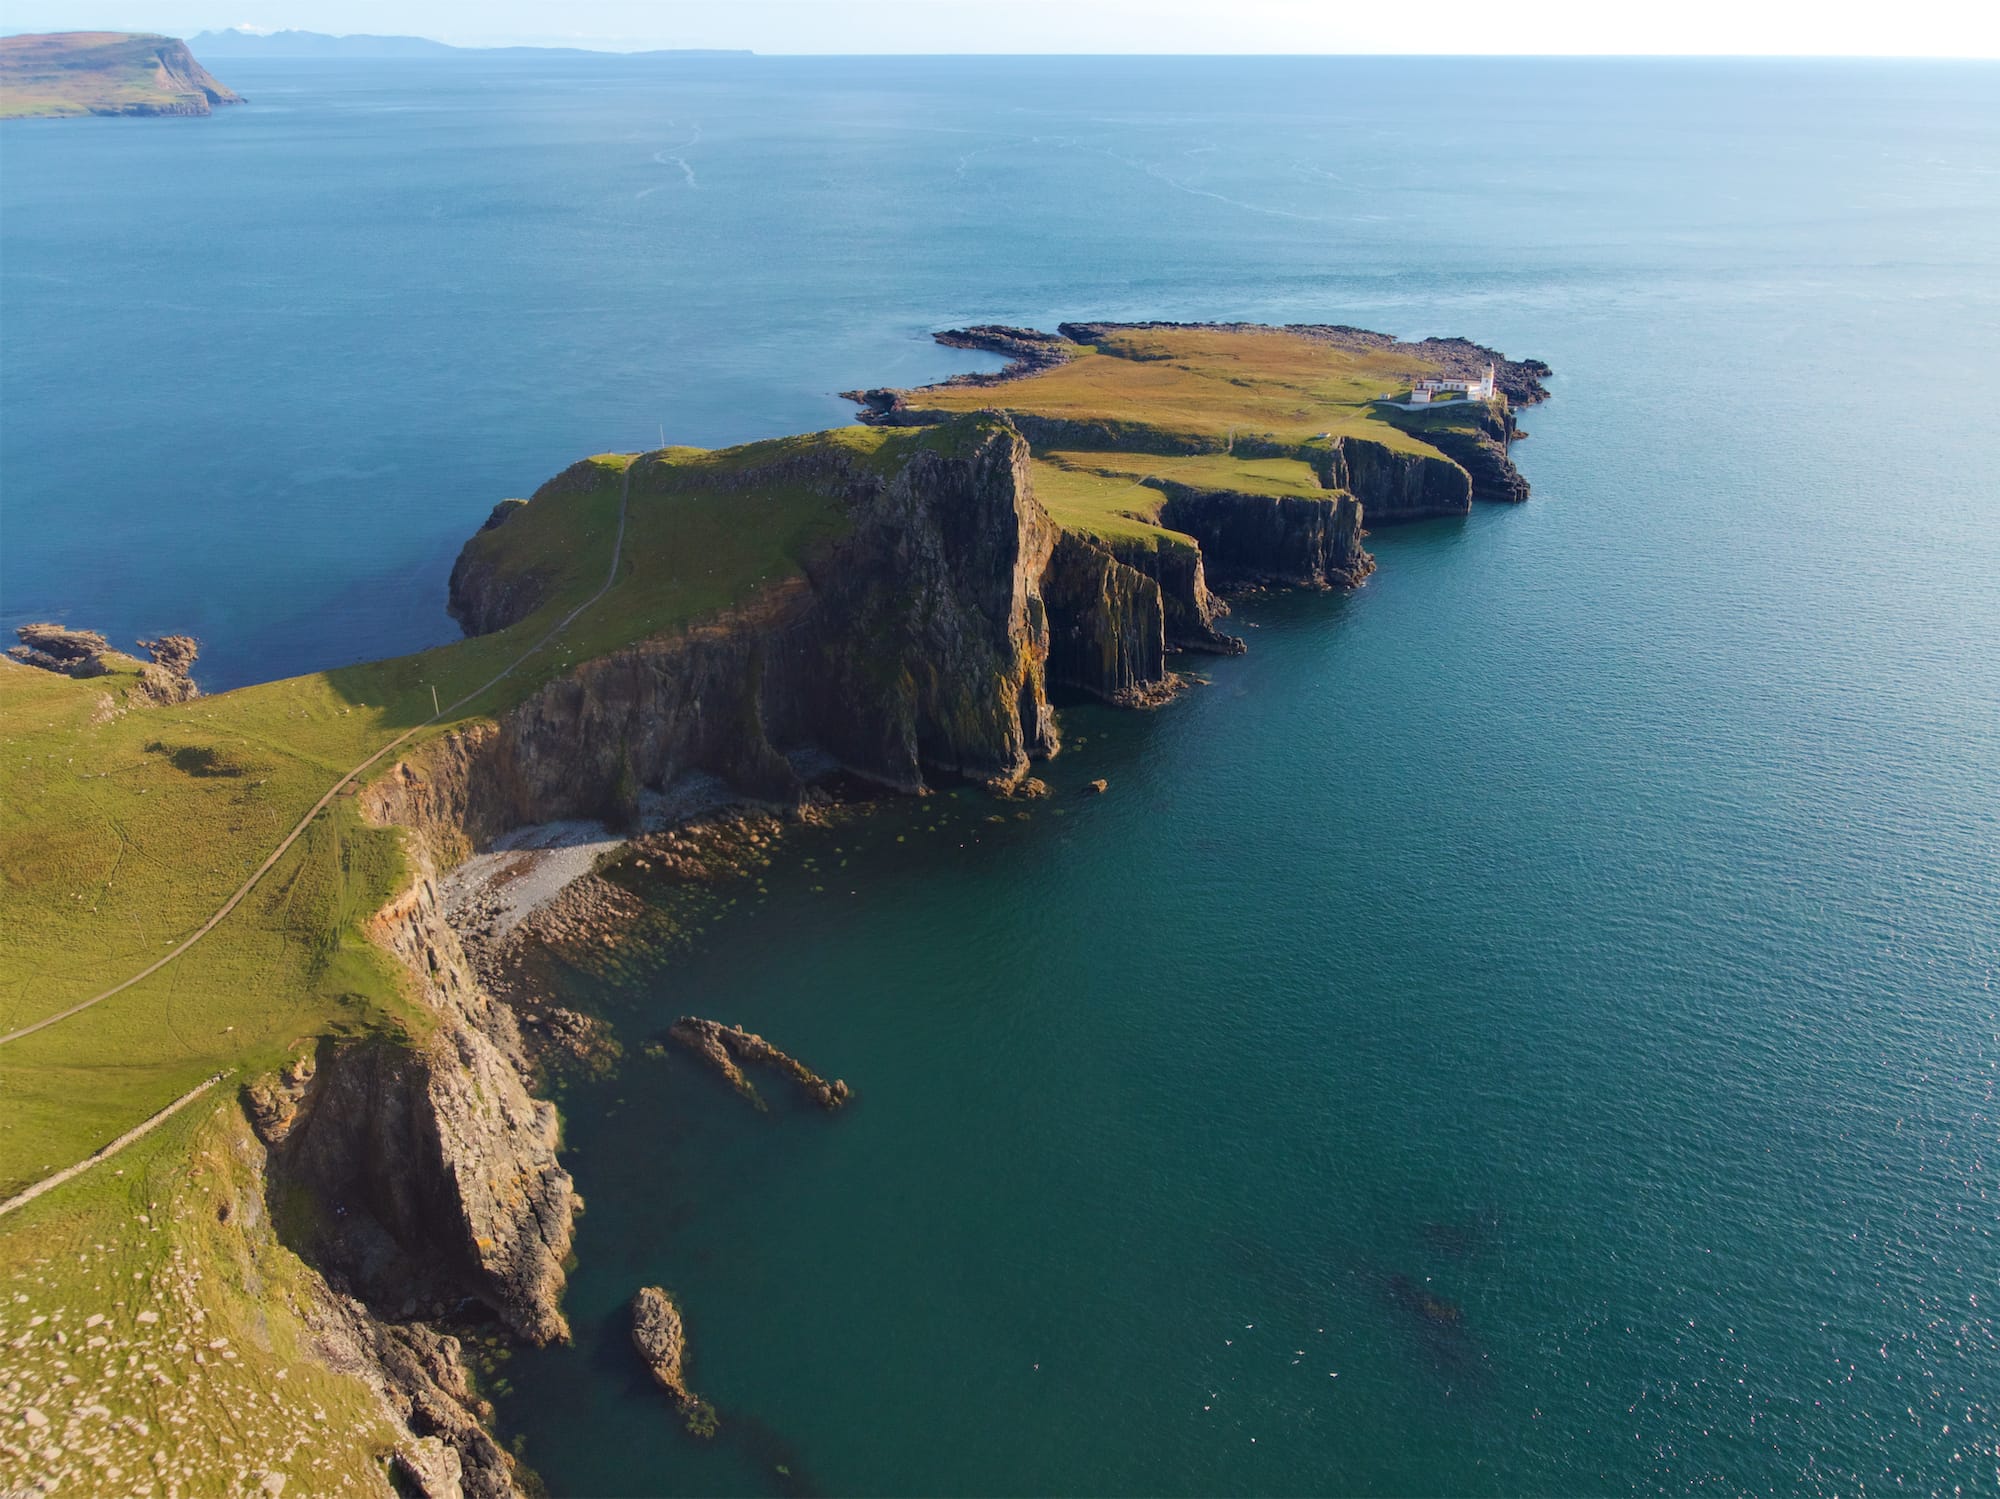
723,1047
661,1338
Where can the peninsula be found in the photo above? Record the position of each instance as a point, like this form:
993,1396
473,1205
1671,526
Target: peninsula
257,887
104,73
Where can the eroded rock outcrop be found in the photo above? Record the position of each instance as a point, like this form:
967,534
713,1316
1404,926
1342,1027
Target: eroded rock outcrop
729,1048
1026,350
86,653
1189,609
165,679
1107,625
1392,485
1482,450
660,1337
53,647
419,1374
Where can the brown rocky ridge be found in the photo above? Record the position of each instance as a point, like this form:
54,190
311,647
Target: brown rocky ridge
727,1048
661,1339
163,680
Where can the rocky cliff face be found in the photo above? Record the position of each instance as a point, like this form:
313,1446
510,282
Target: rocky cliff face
483,594
1191,611
419,1374
433,1179
1109,636
1483,453
1391,485
179,73
435,1170
1298,541
916,646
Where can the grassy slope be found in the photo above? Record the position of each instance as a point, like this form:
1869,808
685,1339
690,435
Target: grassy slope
83,72
121,832
193,1375
1209,382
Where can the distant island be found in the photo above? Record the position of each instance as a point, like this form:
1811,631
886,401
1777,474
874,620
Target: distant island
104,73
238,41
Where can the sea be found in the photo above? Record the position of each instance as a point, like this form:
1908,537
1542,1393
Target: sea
1530,1026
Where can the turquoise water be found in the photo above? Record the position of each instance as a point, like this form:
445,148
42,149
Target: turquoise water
1592,924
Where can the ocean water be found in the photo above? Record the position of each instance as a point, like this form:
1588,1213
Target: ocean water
1530,1026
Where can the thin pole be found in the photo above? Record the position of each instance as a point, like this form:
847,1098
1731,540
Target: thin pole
436,711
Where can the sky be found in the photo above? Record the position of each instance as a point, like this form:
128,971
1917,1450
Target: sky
1904,28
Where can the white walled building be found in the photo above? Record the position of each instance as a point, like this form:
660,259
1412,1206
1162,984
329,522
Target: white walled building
1426,391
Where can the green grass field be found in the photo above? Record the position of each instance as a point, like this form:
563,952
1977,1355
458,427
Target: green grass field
1209,382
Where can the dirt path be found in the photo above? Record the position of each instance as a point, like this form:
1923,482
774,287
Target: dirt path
610,577
49,1183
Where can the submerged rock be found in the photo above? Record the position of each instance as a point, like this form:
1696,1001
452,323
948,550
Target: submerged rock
1413,1298
661,1339
723,1047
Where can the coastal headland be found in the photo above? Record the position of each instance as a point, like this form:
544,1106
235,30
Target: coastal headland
901,603
104,73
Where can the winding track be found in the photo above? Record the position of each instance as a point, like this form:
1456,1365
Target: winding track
610,577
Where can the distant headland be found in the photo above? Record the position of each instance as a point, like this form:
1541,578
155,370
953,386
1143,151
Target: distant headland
104,73
240,41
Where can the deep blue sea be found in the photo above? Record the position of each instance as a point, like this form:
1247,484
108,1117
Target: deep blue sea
1531,1026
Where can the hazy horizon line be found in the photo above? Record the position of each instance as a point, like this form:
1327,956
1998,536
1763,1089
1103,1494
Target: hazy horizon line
599,47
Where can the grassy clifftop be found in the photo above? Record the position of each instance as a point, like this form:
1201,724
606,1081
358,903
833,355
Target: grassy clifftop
1209,386
104,73
1115,409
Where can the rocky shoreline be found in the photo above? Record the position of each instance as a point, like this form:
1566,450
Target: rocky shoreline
164,679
